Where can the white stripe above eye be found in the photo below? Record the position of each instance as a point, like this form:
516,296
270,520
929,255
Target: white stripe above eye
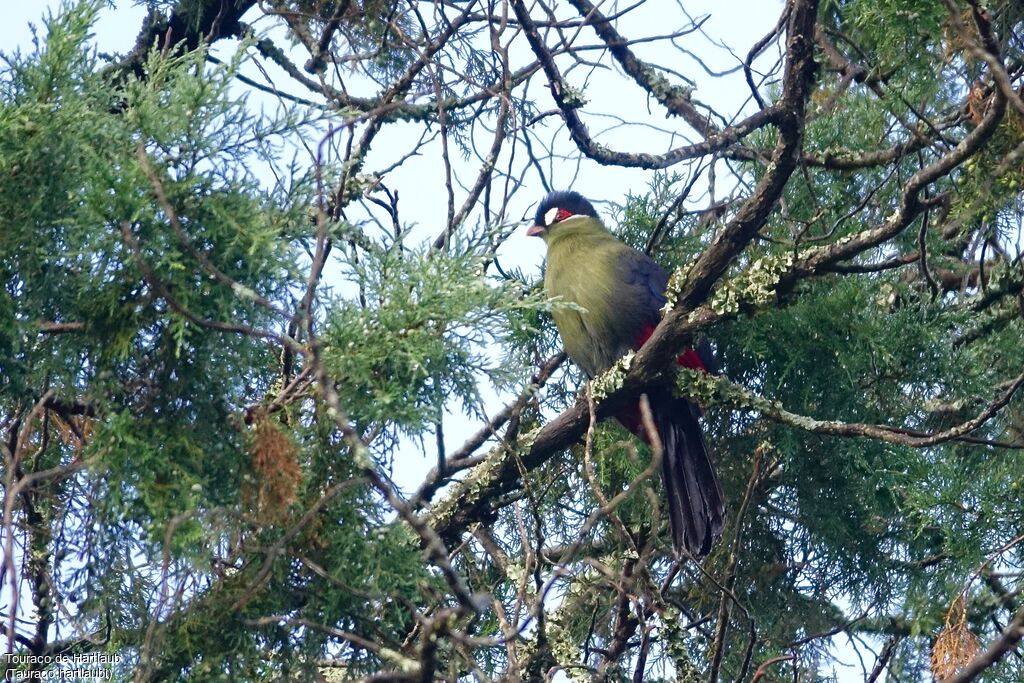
549,217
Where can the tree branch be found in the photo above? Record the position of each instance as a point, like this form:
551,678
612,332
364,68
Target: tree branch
1006,642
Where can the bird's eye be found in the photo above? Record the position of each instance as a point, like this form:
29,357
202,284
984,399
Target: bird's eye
556,215
550,216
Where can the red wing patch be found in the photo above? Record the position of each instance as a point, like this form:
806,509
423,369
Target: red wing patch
687,359
691,359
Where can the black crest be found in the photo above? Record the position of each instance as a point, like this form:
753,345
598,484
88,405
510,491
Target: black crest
573,202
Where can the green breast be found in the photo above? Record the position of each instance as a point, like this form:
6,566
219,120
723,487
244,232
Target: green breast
581,271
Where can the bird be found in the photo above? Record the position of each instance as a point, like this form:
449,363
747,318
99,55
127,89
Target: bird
618,294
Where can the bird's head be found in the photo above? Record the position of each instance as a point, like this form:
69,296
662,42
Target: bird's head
560,209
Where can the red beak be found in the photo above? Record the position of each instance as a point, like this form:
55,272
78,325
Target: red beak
535,230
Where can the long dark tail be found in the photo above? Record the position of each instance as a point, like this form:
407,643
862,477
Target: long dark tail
695,504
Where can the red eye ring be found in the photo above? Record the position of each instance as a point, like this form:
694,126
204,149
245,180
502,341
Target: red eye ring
556,215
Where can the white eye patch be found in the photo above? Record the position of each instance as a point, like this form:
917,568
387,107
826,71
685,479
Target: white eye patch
550,216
